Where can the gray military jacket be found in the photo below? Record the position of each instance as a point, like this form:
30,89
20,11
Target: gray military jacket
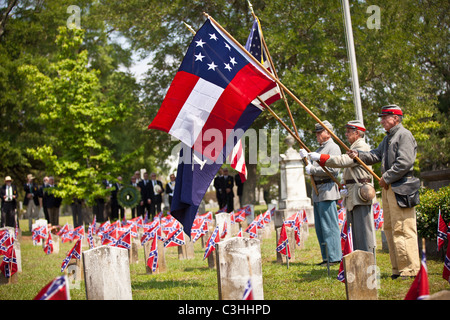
344,161
330,190
397,153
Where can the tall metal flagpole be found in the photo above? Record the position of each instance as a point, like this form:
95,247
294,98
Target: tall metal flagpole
352,58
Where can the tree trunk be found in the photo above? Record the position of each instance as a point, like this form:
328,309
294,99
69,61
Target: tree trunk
248,194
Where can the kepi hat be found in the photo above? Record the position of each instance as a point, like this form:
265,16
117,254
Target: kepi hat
319,127
356,124
391,109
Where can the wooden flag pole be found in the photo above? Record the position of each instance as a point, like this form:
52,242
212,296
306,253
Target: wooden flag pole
295,137
270,75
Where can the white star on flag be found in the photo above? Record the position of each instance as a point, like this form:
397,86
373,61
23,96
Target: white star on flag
212,66
199,57
200,43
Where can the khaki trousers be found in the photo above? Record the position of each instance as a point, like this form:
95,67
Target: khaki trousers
401,234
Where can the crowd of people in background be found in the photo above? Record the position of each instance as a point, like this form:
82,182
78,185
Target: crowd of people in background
40,202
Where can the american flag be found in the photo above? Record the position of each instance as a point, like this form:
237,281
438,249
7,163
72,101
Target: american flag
211,244
152,260
57,289
74,253
256,48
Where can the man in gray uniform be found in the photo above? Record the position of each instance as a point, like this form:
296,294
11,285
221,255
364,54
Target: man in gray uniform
359,211
325,211
397,153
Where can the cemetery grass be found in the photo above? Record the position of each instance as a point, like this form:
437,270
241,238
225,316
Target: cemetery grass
193,280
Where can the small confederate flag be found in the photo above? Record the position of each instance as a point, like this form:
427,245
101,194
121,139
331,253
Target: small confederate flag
74,253
90,236
211,244
48,248
239,216
283,244
5,242
346,249
378,216
341,216
420,288
248,292
39,233
124,240
446,271
9,263
57,289
199,228
152,260
252,229
441,231
224,231
175,239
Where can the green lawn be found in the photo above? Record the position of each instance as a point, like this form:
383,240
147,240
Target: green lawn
193,280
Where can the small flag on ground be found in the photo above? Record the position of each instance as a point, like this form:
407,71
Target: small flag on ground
48,248
74,253
9,263
420,288
283,243
152,260
211,244
346,249
248,292
441,231
57,289
175,239
446,271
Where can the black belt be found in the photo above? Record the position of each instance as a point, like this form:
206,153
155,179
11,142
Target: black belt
318,182
351,181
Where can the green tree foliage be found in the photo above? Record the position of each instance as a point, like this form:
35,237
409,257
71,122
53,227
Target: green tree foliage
76,120
405,62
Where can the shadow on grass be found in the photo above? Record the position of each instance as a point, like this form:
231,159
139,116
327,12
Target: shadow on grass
164,284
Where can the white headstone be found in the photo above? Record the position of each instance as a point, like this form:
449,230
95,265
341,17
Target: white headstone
107,274
221,219
238,260
292,185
